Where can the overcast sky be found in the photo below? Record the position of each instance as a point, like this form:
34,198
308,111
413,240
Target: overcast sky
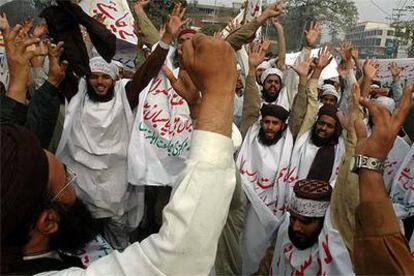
367,9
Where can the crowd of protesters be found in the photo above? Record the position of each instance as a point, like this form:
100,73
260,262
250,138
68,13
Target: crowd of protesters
286,172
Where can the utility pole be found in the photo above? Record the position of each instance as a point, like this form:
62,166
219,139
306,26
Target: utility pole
397,24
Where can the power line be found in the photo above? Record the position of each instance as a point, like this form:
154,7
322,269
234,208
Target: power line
375,4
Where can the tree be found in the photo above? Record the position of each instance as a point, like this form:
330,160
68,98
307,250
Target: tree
336,15
158,10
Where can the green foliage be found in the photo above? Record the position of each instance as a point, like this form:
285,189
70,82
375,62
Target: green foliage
336,15
158,10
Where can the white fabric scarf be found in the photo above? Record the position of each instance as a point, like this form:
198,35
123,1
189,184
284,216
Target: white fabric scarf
328,256
94,145
262,169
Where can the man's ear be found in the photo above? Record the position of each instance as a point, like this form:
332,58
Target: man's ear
48,222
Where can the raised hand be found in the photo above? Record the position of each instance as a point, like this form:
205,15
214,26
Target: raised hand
4,23
27,24
385,126
370,68
346,51
395,70
37,61
232,26
265,44
257,54
324,58
273,10
140,5
203,57
348,119
312,35
302,67
57,69
19,55
174,23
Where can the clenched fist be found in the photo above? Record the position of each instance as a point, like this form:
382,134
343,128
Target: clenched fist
210,63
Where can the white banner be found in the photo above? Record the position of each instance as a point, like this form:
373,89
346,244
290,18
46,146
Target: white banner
118,17
161,135
402,190
384,74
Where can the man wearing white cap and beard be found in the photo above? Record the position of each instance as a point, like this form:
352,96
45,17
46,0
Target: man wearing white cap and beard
272,89
329,95
96,135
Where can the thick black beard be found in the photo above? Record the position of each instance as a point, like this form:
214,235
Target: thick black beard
267,98
269,142
308,242
98,98
319,141
76,226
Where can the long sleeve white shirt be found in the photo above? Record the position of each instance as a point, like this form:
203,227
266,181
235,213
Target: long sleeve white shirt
192,222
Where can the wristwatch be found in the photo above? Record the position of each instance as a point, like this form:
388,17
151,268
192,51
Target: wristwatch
365,162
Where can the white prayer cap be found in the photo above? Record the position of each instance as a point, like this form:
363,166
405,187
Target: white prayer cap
271,71
264,65
99,65
386,102
329,89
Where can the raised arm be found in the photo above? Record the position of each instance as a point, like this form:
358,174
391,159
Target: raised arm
396,82
251,102
196,233
292,79
148,32
370,68
247,31
300,103
281,43
152,65
44,106
43,109
312,107
345,68
379,245
345,196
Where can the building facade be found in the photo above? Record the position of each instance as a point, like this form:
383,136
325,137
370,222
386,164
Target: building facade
373,39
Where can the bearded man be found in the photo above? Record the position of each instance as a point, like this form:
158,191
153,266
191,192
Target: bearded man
272,88
96,134
306,242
